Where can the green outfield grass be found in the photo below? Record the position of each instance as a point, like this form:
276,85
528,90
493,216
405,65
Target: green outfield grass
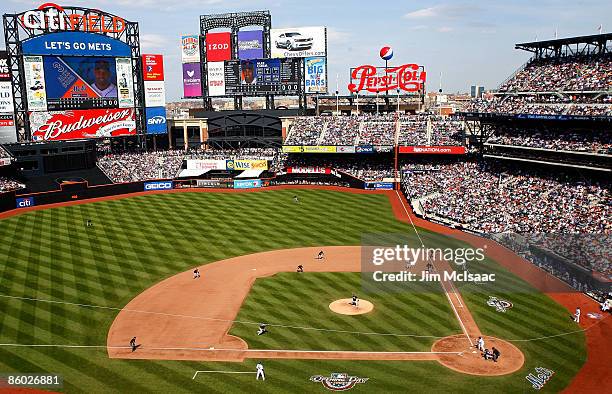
138,241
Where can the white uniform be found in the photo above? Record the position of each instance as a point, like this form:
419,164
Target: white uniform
577,315
480,344
260,372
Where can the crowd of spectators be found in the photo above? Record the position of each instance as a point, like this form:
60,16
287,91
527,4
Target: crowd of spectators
528,105
368,129
496,200
306,130
342,130
413,130
561,140
8,184
571,73
131,167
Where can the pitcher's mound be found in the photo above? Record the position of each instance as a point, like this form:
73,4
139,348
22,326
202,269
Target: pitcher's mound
344,307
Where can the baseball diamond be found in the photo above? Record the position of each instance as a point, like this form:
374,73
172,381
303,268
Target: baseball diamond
94,292
438,220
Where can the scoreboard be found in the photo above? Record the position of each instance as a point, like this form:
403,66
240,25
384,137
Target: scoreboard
262,76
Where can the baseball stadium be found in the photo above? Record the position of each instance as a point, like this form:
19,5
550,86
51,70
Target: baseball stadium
265,234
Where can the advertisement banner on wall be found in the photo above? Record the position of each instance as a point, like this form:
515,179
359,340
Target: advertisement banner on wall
79,124
308,170
156,120
247,184
216,79
192,80
158,185
319,149
190,48
24,202
35,83
379,186
153,67
250,44
8,133
155,93
218,47
5,72
298,42
239,165
315,76
6,97
206,164
75,44
125,85
292,148
433,150
345,149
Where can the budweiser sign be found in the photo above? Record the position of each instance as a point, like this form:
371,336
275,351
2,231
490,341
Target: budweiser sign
408,77
92,123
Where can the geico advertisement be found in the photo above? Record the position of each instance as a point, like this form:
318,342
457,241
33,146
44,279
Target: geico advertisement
159,185
247,164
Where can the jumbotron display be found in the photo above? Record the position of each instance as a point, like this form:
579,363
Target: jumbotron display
80,78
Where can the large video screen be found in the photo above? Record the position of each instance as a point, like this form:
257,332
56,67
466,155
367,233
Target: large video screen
255,77
81,82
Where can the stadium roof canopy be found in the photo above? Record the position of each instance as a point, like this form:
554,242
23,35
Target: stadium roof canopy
582,45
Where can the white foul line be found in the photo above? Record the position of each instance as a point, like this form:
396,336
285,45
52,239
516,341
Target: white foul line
197,372
441,282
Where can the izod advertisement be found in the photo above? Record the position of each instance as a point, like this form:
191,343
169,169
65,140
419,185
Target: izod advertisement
78,124
218,47
153,67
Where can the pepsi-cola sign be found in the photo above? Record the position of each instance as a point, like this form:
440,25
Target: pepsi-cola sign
407,77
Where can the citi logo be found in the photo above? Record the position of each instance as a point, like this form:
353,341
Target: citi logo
25,202
157,120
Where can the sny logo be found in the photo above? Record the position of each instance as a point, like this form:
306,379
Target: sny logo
158,119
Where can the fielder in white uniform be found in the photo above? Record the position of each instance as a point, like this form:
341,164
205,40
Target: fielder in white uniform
577,315
260,371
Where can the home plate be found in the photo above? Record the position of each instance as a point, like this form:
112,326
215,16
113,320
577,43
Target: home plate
253,269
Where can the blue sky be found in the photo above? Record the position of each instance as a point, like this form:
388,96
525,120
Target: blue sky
469,42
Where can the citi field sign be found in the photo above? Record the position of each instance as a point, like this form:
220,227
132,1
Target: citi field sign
52,17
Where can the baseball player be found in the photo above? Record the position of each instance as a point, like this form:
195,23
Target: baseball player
260,371
480,345
300,268
262,329
355,301
133,344
321,255
577,315
296,199
196,273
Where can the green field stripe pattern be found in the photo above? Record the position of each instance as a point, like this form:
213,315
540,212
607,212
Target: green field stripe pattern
138,241
302,300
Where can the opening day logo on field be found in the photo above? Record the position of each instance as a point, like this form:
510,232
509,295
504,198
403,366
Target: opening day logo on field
499,305
338,381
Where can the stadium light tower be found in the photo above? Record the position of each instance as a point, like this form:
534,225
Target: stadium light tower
398,99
